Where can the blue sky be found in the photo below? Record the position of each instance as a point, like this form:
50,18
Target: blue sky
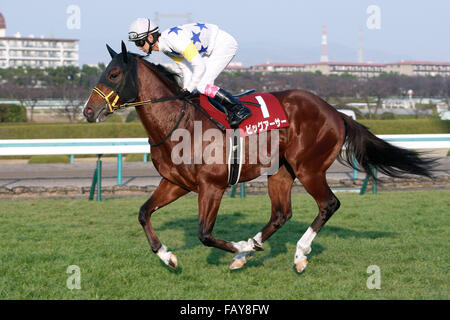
266,30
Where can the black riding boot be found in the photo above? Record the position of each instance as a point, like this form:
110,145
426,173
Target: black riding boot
237,112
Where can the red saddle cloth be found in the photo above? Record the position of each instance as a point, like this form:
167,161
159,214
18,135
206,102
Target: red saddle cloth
267,116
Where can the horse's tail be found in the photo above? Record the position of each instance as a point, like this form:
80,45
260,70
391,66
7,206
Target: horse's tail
372,152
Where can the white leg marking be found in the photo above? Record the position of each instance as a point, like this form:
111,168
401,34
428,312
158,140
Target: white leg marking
248,246
258,238
245,249
163,254
304,245
244,246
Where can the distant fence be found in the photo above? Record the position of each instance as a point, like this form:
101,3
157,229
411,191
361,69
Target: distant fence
120,146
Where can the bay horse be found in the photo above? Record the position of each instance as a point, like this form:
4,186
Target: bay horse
313,140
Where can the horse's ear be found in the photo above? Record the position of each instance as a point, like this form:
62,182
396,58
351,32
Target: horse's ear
112,53
124,52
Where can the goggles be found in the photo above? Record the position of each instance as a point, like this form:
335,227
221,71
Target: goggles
134,36
140,43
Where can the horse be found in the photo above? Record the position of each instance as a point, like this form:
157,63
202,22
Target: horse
314,139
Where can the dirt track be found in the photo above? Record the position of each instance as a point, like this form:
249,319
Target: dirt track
19,180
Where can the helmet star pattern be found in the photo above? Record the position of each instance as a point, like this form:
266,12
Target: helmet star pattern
203,49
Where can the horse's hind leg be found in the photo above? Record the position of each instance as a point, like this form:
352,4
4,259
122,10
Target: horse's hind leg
280,185
317,186
209,198
166,193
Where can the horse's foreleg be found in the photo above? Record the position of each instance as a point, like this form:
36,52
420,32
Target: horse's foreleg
280,185
327,202
166,193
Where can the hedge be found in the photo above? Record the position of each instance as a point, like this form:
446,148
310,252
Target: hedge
136,130
414,126
12,113
73,131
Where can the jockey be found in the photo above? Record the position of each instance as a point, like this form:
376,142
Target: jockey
202,51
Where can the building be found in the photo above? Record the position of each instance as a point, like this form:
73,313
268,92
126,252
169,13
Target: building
35,52
278,67
419,68
357,69
236,67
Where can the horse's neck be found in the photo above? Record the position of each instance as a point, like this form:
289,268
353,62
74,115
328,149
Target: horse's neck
159,118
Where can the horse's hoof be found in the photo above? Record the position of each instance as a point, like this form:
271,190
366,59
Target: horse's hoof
301,265
257,246
173,262
238,263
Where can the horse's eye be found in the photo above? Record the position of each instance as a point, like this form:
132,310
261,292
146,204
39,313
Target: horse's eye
114,76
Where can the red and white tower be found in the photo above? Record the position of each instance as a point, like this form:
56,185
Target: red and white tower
324,54
2,26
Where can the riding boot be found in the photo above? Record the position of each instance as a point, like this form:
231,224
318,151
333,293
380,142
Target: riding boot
237,112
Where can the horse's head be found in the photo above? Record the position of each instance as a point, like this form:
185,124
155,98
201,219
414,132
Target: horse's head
118,84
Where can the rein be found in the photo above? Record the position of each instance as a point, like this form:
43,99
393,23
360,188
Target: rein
113,107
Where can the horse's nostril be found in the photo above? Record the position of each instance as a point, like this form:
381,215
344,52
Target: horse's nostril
88,111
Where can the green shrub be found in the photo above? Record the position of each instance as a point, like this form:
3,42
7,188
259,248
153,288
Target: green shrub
387,116
12,113
49,159
72,131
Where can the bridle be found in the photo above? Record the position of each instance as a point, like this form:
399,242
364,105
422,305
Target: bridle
112,106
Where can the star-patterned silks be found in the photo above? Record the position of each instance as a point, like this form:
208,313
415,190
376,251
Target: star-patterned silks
203,49
195,37
201,26
174,29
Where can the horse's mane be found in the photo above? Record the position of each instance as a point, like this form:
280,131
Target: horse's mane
169,77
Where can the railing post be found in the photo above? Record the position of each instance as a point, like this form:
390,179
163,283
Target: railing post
374,181
119,169
97,181
242,188
366,181
233,191
99,178
145,157
355,172
72,159
93,185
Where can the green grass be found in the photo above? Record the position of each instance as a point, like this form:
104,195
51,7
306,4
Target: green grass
49,159
406,234
135,157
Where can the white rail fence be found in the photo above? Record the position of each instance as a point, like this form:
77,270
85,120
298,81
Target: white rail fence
120,146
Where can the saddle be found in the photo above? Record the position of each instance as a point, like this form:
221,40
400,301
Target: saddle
267,114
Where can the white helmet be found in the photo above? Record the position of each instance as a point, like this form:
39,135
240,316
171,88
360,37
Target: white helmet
141,28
